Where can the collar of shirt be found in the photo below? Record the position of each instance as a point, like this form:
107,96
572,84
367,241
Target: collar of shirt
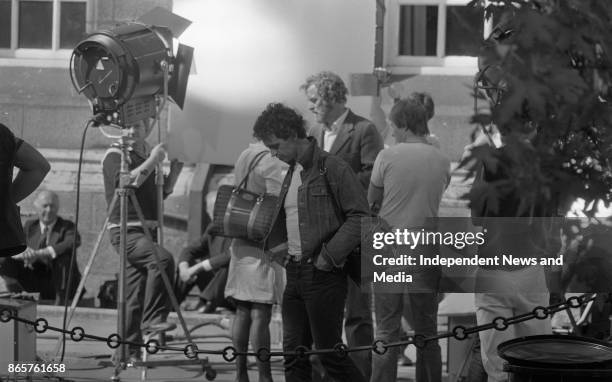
337,123
49,227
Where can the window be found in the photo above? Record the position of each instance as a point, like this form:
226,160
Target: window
5,24
464,31
418,30
41,28
433,33
39,14
72,24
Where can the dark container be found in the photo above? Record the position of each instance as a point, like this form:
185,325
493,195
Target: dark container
557,358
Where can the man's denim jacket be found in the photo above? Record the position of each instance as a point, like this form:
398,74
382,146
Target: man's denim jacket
321,231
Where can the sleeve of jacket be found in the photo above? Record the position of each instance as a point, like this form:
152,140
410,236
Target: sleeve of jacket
223,257
352,201
63,247
196,250
371,144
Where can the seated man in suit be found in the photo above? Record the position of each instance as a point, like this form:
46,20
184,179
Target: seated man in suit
43,267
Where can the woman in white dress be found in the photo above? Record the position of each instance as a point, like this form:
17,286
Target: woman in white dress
254,281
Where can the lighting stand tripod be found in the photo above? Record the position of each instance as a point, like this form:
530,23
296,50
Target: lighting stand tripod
125,193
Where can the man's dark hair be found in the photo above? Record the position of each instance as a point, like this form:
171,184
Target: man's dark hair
410,114
425,99
280,121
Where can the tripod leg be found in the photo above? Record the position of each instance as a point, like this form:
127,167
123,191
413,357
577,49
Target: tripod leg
159,182
123,194
167,282
81,286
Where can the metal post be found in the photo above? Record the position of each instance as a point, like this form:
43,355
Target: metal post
124,181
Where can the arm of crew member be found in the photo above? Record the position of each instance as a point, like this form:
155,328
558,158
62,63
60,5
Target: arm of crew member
33,168
142,172
170,180
375,197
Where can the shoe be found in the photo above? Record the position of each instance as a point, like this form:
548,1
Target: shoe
133,356
194,306
159,327
207,308
404,361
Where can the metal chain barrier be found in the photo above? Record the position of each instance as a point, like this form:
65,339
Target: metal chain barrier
230,353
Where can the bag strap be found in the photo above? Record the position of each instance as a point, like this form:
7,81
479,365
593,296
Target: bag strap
252,166
337,209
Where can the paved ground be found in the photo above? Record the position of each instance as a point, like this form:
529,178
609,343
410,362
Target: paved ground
85,361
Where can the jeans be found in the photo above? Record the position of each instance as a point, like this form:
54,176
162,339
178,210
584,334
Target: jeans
358,325
146,297
424,314
312,310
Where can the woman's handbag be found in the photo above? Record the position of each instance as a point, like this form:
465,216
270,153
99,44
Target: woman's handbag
243,214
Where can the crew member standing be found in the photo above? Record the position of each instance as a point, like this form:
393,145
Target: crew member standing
319,241
356,140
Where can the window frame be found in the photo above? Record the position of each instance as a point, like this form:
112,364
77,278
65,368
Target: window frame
404,64
24,55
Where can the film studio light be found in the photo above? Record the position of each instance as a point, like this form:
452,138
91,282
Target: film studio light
122,70
127,74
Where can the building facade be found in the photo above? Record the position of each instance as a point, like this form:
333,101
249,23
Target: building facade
426,45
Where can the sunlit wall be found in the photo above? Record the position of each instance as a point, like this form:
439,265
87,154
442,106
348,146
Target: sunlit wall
252,52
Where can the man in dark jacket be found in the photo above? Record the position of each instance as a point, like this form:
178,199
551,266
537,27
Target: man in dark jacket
322,204
355,139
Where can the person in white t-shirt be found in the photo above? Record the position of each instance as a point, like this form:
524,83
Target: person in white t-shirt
408,180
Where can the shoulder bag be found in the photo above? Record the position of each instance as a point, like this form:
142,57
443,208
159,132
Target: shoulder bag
243,214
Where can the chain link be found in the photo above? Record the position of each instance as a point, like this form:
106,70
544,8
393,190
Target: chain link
263,354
